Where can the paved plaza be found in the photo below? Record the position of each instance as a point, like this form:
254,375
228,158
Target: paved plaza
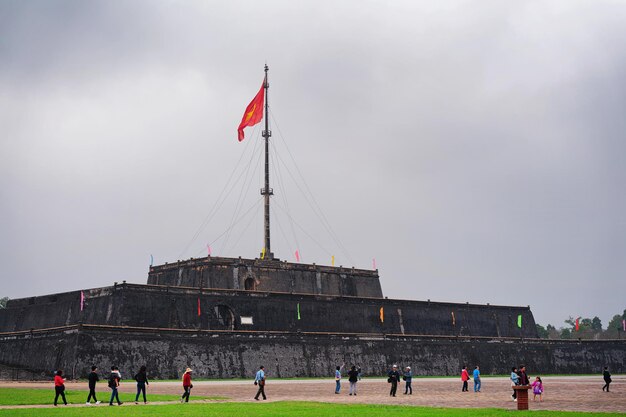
570,393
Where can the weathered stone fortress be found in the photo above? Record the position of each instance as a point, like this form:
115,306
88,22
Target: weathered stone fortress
225,316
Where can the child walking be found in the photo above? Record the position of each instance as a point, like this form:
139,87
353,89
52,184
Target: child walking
537,389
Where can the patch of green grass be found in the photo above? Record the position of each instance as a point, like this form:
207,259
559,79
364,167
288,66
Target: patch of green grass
288,409
28,396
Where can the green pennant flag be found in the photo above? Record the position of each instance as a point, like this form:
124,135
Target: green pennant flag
298,311
519,321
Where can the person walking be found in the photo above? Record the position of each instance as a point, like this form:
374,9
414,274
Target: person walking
59,387
407,377
514,382
142,382
607,379
187,385
464,377
394,377
353,377
92,378
114,383
537,389
477,379
259,380
338,378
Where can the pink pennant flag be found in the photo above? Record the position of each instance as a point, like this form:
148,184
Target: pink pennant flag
297,256
624,325
208,248
373,263
82,300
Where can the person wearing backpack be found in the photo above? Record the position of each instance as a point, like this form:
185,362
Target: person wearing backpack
407,377
114,383
393,378
142,381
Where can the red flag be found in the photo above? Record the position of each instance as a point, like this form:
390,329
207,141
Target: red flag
199,313
577,325
253,113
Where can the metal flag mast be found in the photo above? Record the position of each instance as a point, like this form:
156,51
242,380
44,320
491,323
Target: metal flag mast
267,191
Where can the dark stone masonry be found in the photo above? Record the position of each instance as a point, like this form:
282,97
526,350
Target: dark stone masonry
225,316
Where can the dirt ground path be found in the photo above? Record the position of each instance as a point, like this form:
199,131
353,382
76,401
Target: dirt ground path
575,393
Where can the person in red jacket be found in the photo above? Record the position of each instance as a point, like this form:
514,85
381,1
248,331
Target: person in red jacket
59,387
464,377
187,385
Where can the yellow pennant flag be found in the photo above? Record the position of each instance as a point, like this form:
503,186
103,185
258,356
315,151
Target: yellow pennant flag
382,315
263,254
332,260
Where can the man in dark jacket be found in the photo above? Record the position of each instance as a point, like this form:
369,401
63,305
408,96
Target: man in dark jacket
394,377
93,378
607,379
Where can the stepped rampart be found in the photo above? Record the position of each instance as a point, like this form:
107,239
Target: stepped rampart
264,275
237,354
177,307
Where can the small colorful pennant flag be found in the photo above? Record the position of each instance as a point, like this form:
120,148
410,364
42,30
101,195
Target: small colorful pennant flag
263,253
151,260
82,301
332,260
519,321
298,311
453,318
297,256
199,311
577,324
624,324
208,249
382,315
374,263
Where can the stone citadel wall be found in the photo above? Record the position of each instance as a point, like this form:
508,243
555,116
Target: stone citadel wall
263,275
227,354
177,308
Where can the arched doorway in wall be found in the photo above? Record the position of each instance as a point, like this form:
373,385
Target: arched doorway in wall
249,284
224,318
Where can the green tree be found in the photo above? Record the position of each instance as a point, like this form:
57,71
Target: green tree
596,324
3,302
615,323
566,333
541,331
553,332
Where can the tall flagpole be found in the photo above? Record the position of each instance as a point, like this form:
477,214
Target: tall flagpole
267,191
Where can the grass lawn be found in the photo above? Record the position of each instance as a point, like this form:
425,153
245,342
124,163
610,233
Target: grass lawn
27,396
286,409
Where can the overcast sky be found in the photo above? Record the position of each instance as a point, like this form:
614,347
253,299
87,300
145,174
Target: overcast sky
476,150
